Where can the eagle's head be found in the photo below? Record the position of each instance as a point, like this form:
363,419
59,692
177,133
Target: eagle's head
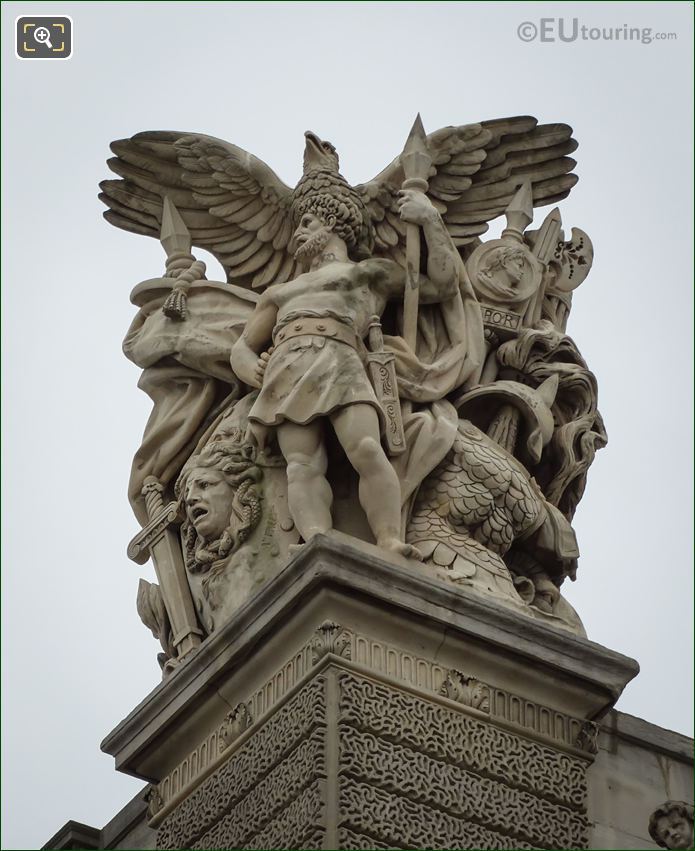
319,154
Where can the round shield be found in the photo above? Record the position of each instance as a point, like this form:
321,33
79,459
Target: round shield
504,272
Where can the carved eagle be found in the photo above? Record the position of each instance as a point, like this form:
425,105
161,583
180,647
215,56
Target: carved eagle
237,208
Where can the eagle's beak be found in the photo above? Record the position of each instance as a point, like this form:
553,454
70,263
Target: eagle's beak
314,154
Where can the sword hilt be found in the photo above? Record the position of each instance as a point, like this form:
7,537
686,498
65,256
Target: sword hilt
152,490
375,335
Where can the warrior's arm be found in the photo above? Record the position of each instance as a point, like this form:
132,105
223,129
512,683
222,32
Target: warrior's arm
256,337
442,279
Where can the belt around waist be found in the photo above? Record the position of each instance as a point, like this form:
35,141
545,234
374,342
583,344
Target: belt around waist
321,327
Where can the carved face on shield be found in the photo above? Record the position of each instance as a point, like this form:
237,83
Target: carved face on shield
222,502
504,270
208,500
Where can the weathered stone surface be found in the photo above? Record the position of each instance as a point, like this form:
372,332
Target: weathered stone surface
390,355
408,618
377,697
638,767
127,829
385,764
671,825
74,834
357,486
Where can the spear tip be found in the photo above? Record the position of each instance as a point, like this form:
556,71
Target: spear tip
416,159
522,202
519,213
417,138
174,235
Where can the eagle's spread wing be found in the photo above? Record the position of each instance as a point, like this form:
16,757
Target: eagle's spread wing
519,149
476,169
233,204
237,208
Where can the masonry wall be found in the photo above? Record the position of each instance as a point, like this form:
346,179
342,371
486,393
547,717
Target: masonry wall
638,766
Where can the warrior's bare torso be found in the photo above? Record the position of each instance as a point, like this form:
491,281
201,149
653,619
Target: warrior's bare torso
353,292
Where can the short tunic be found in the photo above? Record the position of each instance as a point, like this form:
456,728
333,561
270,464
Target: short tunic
311,376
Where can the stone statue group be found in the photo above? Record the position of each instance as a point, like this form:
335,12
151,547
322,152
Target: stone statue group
372,365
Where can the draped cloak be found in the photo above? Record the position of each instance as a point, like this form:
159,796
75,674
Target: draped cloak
187,374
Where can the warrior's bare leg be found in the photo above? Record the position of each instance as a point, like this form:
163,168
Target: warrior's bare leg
309,495
357,429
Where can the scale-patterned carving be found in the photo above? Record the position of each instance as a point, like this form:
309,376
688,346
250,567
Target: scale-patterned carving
453,737
246,767
417,776
271,796
298,826
407,824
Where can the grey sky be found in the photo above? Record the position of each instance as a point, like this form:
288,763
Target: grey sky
76,658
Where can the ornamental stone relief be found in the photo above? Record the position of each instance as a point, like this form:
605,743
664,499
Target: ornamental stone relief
531,719
386,768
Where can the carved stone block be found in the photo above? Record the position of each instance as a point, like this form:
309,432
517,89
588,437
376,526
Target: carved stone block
349,757
372,709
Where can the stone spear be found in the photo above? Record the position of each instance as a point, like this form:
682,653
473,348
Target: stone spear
181,264
416,162
159,539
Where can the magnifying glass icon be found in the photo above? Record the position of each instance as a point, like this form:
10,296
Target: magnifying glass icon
43,36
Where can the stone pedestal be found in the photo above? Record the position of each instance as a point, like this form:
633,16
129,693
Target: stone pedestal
359,702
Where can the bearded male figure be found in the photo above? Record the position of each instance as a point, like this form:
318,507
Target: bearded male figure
313,329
